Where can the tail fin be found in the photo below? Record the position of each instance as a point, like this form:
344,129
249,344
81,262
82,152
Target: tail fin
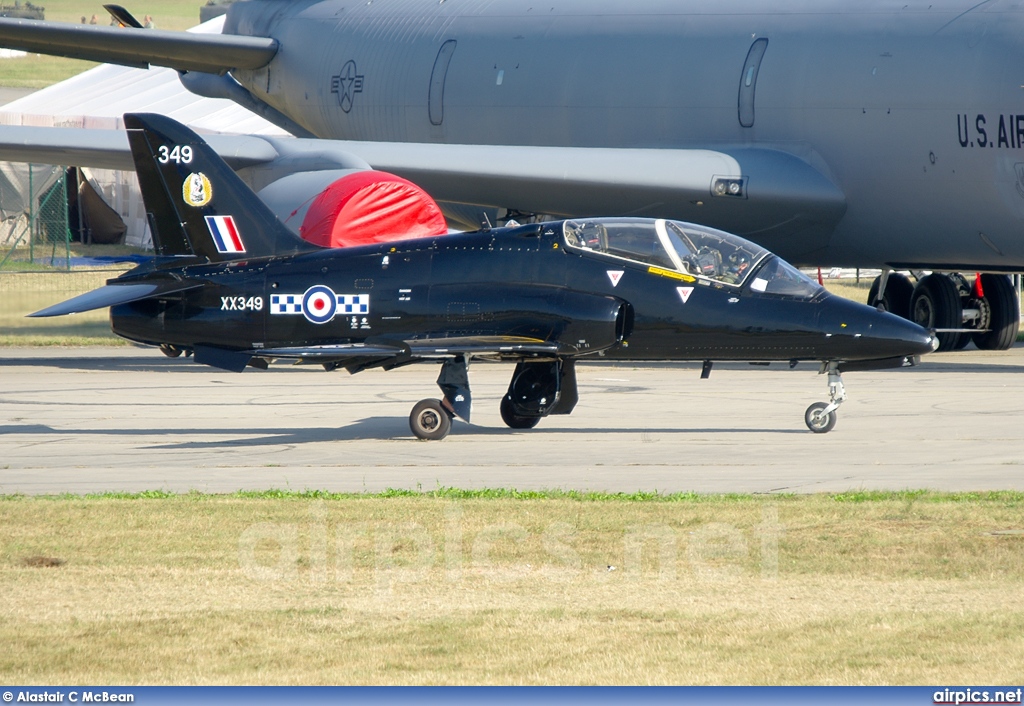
196,203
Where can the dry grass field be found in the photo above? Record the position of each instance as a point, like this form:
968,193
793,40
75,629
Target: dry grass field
22,293
849,288
451,588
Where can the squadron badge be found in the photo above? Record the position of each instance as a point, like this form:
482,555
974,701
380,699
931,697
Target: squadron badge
197,190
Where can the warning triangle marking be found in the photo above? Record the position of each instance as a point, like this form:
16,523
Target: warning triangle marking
615,276
684,293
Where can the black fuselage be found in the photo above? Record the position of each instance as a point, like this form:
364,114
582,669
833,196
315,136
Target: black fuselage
521,282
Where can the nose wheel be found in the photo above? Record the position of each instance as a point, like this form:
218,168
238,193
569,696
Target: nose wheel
821,417
818,420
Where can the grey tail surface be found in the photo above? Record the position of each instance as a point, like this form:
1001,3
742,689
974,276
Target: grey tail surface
196,204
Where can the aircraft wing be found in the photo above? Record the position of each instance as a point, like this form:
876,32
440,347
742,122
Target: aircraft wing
114,294
570,181
207,53
773,188
108,149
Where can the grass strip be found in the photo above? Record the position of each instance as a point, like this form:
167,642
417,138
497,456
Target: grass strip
1009,497
502,586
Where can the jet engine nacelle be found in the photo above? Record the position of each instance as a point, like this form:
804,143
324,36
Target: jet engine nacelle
595,323
346,207
578,322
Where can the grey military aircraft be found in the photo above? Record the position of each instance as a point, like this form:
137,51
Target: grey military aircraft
234,287
884,134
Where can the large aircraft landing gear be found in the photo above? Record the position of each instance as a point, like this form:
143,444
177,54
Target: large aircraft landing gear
820,417
984,310
1003,314
896,290
430,421
936,304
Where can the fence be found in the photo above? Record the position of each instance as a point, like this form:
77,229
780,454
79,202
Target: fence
35,226
22,293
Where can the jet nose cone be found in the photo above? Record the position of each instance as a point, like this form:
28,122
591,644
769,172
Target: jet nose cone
873,334
906,336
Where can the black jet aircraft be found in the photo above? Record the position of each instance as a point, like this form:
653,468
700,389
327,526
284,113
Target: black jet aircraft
834,132
236,288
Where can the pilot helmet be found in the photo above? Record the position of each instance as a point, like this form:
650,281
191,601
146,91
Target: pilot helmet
739,262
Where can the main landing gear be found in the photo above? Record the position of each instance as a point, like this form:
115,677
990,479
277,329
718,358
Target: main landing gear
537,389
430,420
513,420
984,310
820,417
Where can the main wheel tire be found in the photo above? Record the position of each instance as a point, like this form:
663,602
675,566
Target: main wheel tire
898,292
936,304
430,421
963,290
816,421
513,420
170,351
1004,320
962,340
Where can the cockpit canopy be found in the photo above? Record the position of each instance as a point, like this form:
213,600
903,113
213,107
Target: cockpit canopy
689,249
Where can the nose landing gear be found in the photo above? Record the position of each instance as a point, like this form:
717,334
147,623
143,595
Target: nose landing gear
820,417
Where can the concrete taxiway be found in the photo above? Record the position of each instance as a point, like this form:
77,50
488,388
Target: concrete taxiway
129,419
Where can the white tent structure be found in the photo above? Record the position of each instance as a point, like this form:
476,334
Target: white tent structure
97,99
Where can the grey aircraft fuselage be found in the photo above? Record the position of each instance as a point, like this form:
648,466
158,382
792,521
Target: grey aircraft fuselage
914,110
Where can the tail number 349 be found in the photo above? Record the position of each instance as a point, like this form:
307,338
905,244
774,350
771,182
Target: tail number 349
179,154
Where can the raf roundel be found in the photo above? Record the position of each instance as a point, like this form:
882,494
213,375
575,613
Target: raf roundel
319,304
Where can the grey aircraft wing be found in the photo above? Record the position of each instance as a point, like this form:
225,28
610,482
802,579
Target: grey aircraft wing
734,183
750,189
108,149
141,48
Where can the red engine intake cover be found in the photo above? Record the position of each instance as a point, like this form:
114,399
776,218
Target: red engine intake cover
371,207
